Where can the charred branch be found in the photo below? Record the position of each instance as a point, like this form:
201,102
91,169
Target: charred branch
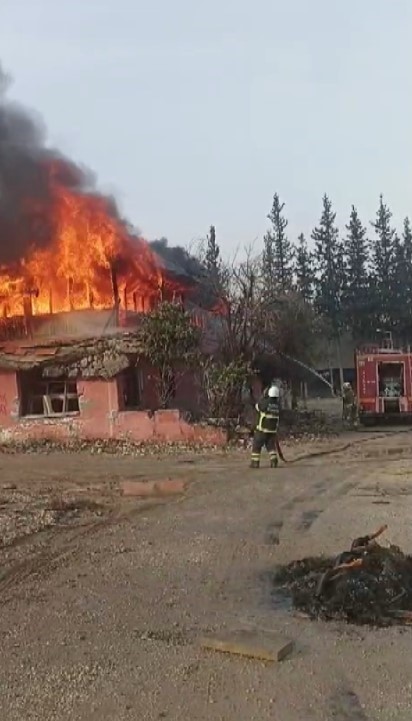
368,584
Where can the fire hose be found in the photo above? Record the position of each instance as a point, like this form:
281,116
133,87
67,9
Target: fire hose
279,450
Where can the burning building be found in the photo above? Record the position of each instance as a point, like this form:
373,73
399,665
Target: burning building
74,281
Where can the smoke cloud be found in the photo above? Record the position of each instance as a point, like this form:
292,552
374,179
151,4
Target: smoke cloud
177,258
27,170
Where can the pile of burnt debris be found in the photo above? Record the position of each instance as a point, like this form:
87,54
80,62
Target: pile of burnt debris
368,584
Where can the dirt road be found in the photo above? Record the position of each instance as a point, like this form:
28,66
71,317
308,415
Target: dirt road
104,599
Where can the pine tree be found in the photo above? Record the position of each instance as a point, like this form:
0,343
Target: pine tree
407,240
216,273
402,284
356,283
329,268
304,269
277,259
212,255
383,269
407,294
398,282
268,260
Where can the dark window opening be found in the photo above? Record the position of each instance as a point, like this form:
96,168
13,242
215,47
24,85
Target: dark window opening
130,389
47,397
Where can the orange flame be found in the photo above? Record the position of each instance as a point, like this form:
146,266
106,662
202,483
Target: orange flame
91,259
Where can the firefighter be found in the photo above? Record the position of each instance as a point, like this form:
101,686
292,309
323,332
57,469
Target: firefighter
267,427
349,404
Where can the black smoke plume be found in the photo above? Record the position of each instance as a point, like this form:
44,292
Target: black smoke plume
178,258
28,168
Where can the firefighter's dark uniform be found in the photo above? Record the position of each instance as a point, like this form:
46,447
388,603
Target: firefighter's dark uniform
265,431
349,412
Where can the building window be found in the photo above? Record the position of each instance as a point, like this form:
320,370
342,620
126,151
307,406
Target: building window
130,389
47,397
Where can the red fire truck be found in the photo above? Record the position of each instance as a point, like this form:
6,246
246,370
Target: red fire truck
383,382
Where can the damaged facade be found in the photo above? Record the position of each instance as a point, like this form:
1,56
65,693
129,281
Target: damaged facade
80,375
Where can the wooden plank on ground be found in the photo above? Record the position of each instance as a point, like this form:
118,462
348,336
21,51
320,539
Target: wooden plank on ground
252,643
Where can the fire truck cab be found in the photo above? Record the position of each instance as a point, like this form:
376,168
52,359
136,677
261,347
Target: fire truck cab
384,383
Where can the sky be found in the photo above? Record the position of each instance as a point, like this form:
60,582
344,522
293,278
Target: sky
196,113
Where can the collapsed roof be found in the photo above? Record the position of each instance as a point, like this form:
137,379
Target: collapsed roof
97,350
102,357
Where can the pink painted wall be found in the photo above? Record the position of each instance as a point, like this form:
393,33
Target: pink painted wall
99,417
9,397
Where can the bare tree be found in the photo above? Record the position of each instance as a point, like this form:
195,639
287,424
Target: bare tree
251,324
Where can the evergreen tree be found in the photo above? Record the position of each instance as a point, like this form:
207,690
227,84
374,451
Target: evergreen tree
384,249
407,240
268,260
304,269
356,283
277,259
402,284
212,254
407,294
329,268
216,273
398,282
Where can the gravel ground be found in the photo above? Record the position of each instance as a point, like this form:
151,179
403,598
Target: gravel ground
104,602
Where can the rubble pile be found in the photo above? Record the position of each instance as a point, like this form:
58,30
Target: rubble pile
368,584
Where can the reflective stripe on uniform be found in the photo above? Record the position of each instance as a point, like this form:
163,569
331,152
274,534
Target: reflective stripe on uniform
262,416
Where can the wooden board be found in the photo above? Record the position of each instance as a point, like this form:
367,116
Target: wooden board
253,643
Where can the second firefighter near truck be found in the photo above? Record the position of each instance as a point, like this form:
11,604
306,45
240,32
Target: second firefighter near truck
349,409
267,427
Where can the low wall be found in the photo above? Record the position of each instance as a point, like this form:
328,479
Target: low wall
99,418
